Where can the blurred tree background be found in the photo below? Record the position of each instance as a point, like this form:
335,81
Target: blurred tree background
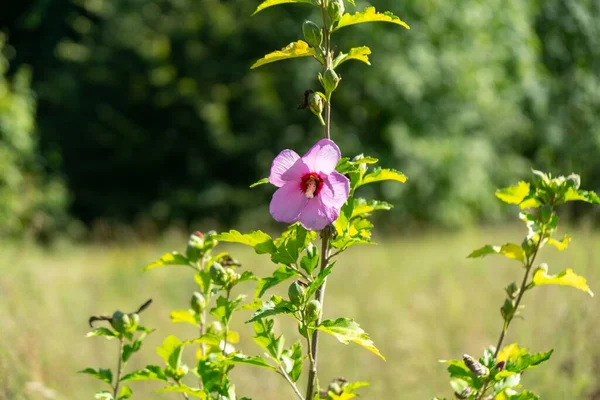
147,109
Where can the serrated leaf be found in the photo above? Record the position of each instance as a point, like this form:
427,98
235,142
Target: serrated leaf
382,174
564,278
108,333
562,245
514,194
271,3
125,393
260,182
346,330
272,307
105,375
357,53
183,389
150,373
188,316
369,14
260,241
509,250
173,258
281,274
292,50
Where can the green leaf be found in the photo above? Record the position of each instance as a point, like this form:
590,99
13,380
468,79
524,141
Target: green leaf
150,373
514,194
363,207
573,194
271,3
130,349
564,278
562,245
310,261
225,308
346,330
108,333
188,316
183,389
318,282
262,242
257,361
272,307
173,258
281,274
525,395
292,50
105,375
170,351
356,53
292,242
260,182
379,174
509,250
292,361
369,14
125,393
358,232
265,337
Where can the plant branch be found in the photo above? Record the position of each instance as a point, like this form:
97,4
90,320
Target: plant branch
292,384
119,368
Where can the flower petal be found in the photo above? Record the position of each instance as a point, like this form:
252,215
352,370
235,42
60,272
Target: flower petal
335,190
288,202
316,216
281,164
323,156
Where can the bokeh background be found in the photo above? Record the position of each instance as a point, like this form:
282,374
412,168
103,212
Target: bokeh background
126,124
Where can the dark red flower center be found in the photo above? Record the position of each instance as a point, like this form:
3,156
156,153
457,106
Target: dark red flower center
311,184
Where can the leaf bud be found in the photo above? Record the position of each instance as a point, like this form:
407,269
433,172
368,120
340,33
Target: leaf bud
296,293
313,310
474,366
312,34
120,321
330,80
198,303
335,10
232,277
512,290
195,246
507,309
218,274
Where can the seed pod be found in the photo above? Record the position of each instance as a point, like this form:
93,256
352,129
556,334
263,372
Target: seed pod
475,366
313,310
218,274
296,293
312,34
120,321
330,80
198,302
335,10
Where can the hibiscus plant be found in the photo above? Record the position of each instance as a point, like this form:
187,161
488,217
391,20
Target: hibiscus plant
316,197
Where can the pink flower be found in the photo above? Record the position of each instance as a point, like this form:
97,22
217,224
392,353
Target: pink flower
310,189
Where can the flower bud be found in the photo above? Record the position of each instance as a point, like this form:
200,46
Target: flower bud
313,310
209,240
475,366
330,80
120,321
232,277
198,302
194,247
316,103
296,293
312,34
335,388
218,274
335,10
134,319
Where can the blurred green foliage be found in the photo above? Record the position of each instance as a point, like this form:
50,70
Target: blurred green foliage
153,110
30,201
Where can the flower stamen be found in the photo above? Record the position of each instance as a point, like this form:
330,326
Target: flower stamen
311,185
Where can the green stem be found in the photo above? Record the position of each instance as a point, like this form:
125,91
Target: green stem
522,290
119,368
292,384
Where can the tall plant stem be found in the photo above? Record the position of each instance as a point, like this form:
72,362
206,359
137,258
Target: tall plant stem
119,368
522,290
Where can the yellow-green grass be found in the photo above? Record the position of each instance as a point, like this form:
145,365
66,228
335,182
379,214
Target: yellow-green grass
419,298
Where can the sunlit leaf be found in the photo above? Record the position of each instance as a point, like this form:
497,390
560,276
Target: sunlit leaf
281,274
184,316
292,359
108,333
581,195
255,361
265,337
379,174
272,307
260,182
260,241
150,373
183,389
271,3
170,351
525,395
362,206
560,245
346,330
564,278
509,250
125,393
173,258
356,53
369,14
292,50
514,194
105,375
